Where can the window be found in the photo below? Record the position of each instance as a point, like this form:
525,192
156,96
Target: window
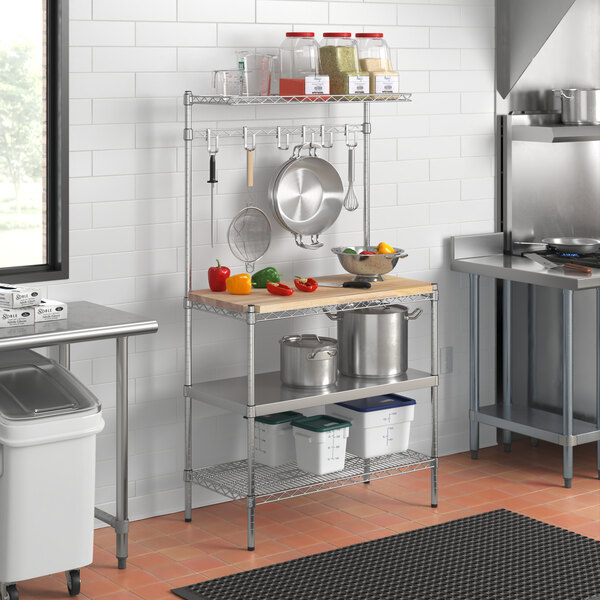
33,140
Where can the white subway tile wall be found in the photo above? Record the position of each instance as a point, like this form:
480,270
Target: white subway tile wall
432,171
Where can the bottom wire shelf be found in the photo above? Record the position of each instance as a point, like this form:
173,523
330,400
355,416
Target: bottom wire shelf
288,481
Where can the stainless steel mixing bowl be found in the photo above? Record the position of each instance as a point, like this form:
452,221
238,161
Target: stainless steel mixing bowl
368,267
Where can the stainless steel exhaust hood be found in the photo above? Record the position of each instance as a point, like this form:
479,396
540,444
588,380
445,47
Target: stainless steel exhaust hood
522,28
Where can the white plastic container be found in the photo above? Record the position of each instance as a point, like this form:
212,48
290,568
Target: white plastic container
48,427
380,425
321,443
274,440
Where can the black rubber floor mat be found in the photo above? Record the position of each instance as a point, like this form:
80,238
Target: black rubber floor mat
497,555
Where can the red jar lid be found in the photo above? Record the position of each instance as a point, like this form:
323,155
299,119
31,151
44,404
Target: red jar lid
299,34
343,35
369,35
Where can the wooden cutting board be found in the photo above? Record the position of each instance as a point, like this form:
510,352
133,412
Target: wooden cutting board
265,302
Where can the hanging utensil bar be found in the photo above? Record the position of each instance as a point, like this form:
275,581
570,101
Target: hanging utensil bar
325,133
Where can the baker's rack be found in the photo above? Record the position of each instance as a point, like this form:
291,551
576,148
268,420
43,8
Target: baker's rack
255,395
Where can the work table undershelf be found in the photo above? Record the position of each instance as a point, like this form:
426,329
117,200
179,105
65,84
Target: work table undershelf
266,304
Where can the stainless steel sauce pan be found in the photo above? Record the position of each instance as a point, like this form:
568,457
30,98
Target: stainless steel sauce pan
307,195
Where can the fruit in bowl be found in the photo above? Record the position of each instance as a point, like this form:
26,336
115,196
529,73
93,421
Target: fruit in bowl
366,262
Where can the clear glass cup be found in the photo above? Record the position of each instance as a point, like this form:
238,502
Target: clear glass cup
228,83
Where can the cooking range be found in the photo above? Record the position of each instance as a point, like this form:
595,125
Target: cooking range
560,258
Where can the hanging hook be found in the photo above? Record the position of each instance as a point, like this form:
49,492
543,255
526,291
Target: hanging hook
350,137
250,147
324,136
212,149
304,135
279,138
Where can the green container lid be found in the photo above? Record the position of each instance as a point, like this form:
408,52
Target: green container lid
321,423
279,418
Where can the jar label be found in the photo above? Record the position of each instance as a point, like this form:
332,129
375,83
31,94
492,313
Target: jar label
317,85
358,84
386,84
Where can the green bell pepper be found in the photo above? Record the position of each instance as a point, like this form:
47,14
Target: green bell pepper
268,274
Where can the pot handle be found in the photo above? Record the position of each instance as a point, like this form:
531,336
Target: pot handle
563,94
415,314
322,354
312,246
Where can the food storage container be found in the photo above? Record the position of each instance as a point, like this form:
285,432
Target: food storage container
48,427
308,360
298,59
380,424
273,438
321,443
257,72
374,57
339,59
373,342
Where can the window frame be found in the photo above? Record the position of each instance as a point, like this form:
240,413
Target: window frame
57,154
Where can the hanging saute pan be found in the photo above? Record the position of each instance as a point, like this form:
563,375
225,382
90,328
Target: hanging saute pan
568,245
307,195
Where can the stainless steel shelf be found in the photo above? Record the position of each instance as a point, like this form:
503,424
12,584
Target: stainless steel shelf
272,396
288,481
313,310
555,133
539,424
237,100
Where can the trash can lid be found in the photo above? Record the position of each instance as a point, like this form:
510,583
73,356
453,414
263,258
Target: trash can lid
378,403
321,423
32,387
279,418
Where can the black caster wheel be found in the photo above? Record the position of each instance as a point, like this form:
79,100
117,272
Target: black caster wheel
474,454
507,448
73,582
12,593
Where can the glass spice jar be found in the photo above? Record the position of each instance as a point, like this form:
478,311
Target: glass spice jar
339,59
298,58
374,57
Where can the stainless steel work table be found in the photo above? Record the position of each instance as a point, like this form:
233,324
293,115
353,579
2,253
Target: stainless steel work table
483,255
88,322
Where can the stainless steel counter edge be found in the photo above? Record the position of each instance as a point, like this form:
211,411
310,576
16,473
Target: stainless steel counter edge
471,254
86,322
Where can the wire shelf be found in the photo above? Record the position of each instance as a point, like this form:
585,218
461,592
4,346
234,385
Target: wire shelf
312,310
288,481
238,100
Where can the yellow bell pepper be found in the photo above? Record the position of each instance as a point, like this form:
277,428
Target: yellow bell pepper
239,284
384,248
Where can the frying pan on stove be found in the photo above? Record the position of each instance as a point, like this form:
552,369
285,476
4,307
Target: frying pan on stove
569,245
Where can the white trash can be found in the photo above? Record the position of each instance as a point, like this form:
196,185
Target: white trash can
380,424
274,440
48,427
320,443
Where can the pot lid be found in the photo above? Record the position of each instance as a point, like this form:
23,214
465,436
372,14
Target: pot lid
308,340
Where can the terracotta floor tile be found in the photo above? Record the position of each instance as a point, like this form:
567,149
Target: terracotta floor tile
166,552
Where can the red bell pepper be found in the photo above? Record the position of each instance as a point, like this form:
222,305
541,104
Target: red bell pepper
305,284
366,252
217,276
279,289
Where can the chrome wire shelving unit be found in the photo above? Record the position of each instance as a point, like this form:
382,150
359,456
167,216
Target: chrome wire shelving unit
259,394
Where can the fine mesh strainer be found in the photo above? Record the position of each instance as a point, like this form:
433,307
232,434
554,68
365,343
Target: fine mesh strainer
249,235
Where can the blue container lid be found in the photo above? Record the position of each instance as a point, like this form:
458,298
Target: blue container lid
378,403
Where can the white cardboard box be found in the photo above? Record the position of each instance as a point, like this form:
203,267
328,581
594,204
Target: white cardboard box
50,310
18,297
16,317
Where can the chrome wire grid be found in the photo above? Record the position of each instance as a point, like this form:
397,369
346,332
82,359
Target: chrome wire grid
232,100
312,310
272,131
288,481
